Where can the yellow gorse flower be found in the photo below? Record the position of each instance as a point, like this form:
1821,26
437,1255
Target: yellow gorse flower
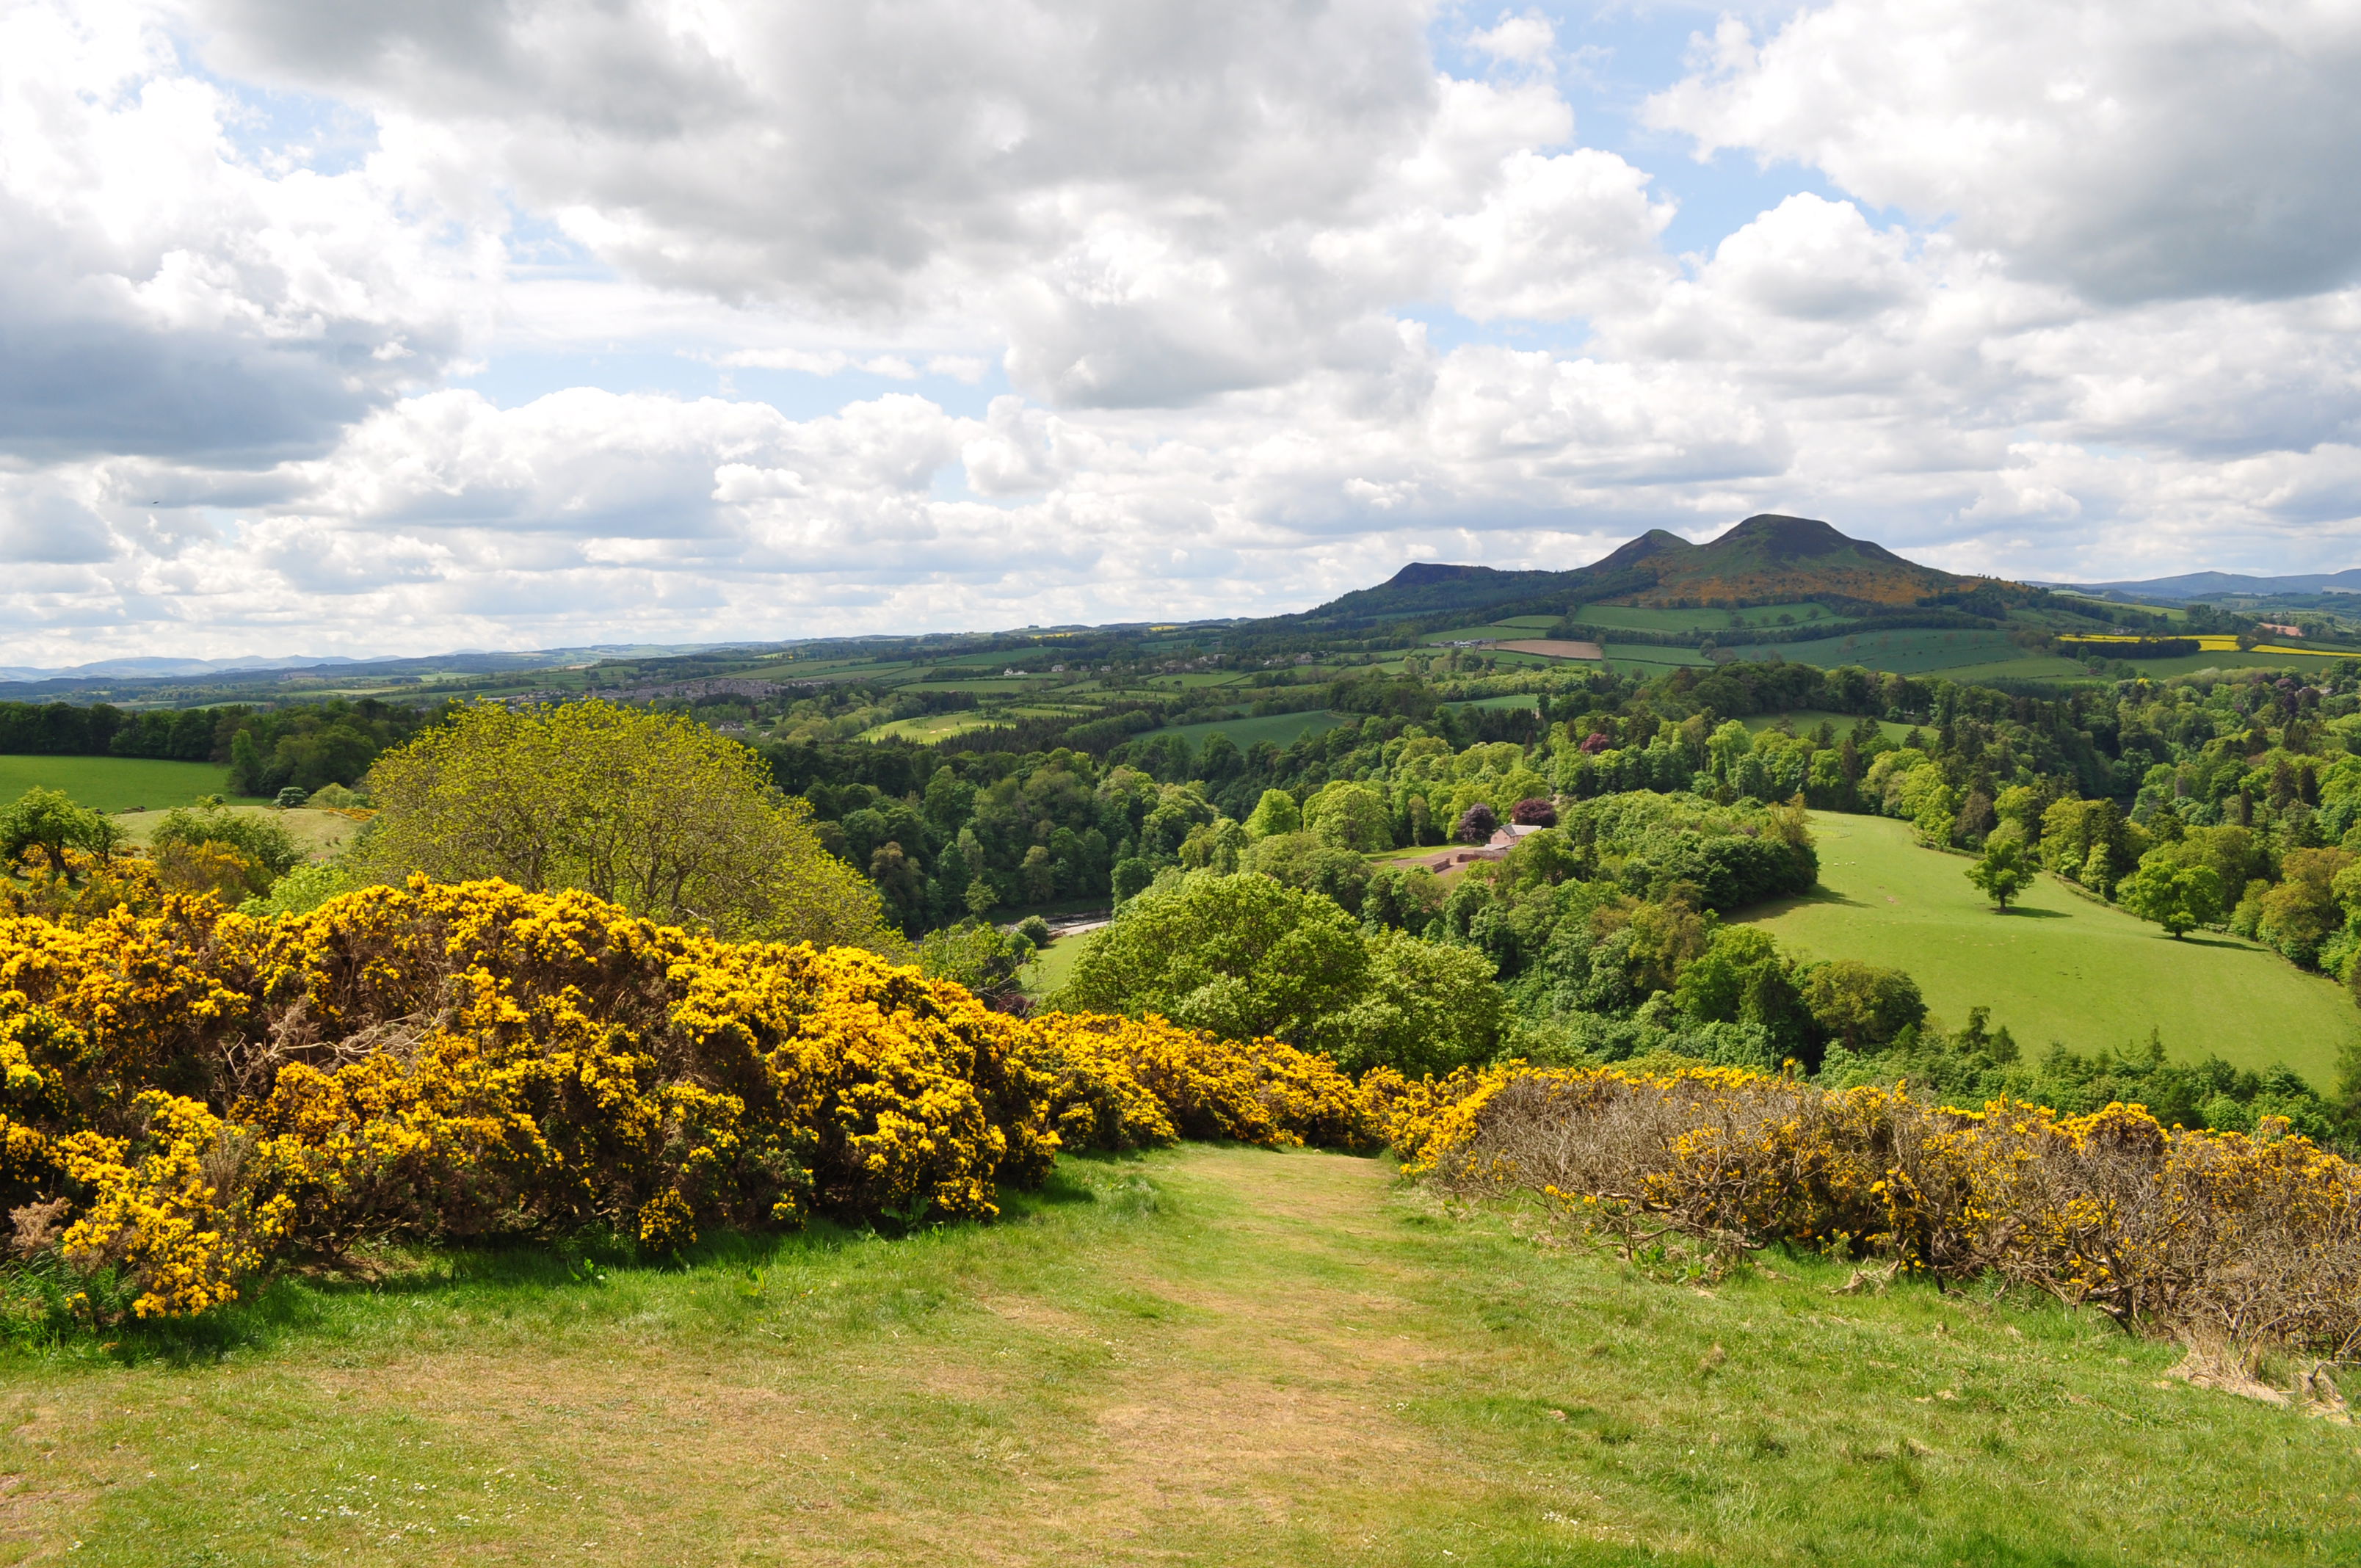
459,1061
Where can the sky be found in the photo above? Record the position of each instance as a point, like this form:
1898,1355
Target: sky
335,326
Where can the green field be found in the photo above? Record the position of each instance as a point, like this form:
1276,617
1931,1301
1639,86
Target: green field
114,784
1640,618
1916,652
1804,720
2024,668
1207,1356
1491,631
1278,728
1527,700
1196,679
1631,658
320,834
1054,965
2231,659
930,726
2059,968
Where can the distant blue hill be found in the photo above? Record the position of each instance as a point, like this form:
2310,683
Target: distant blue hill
2216,584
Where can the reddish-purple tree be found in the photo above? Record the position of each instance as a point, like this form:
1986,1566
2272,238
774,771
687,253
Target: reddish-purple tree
1534,812
1477,823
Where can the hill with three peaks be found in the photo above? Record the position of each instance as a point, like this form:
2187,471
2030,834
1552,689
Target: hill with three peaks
1767,559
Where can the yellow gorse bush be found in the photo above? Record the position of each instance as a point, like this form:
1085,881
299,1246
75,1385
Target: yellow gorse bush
207,1091
2216,1236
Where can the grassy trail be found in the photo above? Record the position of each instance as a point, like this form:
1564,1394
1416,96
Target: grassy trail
1214,1355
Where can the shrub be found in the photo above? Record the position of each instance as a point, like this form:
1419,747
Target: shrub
185,1094
212,867
256,836
1119,1084
2219,1237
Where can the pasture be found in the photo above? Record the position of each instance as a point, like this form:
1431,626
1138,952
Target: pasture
2058,966
1491,631
1804,720
1642,618
1915,651
1278,728
1211,1354
1525,700
1636,659
320,833
930,726
114,784
2294,660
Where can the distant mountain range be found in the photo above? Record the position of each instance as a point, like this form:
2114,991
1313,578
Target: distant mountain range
464,661
2220,585
1764,559
136,668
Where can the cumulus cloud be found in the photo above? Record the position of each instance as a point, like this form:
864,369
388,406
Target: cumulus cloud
2165,149
1201,309
160,293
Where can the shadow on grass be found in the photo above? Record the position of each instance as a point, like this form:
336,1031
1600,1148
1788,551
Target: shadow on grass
2028,913
311,1301
1819,895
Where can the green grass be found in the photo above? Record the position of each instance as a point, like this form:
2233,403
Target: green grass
1913,651
2058,967
1278,728
1526,700
320,833
2230,659
1804,720
1631,656
1642,618
1491,632
1211,1355
2028,668
1197,679
1054,965
931,725
114,784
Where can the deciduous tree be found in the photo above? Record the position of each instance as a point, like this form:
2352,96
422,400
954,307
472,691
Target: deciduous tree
650,810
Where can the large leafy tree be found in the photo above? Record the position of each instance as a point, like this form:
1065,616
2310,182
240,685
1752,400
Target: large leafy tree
648,810
2178,898
2004,870
1244,956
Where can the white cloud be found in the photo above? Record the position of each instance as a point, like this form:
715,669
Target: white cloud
159,293
1527,39
1255,303
2164,150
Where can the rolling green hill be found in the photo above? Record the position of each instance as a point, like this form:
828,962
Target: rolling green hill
2059,967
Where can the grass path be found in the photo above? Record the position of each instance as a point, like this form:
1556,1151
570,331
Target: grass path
1212,1356
2058,966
